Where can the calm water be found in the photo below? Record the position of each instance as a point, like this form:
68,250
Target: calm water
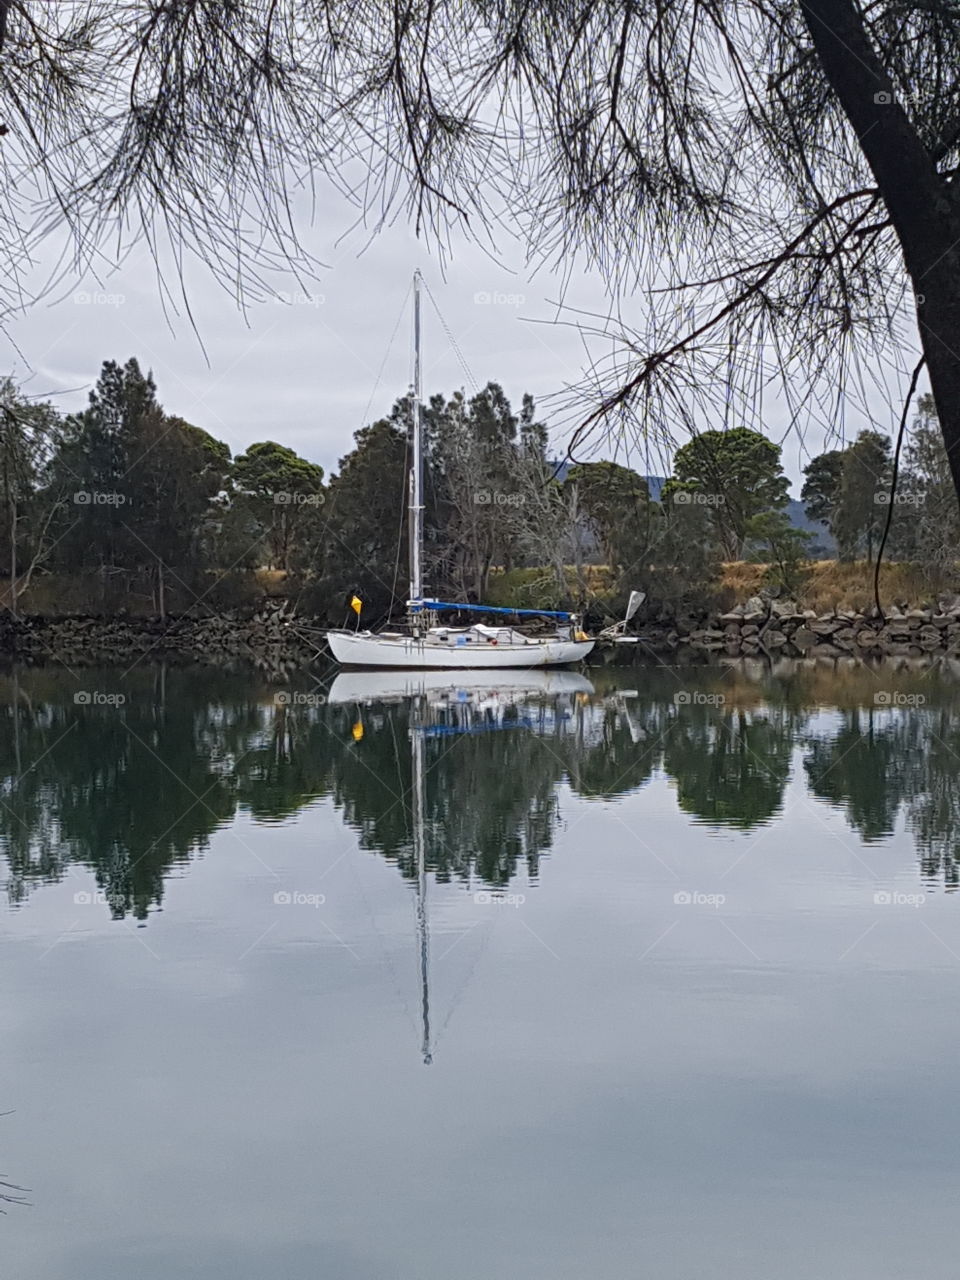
651,975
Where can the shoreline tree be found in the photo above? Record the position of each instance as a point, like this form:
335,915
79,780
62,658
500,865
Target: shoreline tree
780,181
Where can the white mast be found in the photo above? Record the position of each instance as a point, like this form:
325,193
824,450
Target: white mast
416,462
420,855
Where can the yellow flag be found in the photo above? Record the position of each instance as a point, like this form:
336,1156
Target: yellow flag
357,731
356,604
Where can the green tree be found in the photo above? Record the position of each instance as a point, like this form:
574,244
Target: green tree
777,543
179,472
616,502
861,510
735,475
821,487
30,432
476,457
281,495
93,465
926,489
366,516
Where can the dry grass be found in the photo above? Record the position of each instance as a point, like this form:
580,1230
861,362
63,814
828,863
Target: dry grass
830,584
827,585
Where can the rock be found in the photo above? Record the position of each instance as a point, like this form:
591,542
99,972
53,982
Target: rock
803,638
774,639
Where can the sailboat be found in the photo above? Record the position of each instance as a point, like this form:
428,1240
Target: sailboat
427,644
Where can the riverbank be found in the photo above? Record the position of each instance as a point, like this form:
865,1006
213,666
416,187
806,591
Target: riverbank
271,637
780,628
274,637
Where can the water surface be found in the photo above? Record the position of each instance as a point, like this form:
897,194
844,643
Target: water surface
623,974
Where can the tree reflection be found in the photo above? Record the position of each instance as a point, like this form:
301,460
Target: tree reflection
133,791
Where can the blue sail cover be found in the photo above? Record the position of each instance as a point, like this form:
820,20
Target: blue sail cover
417,605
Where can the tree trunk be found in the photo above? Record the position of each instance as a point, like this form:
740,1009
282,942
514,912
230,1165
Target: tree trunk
13,556
922,207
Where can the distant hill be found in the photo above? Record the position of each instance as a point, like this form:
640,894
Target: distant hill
824,545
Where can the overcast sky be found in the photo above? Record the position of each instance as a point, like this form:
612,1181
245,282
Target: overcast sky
305,373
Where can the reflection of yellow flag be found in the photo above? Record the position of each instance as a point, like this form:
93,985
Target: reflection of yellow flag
358,731
356,604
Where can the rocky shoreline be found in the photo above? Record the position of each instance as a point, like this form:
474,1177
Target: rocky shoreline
780,628
271,637
274,637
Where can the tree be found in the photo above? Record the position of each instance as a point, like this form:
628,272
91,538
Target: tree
777,543
821,487
282,494
792,169
475,456
616,501
861,509
734,474
366,520
29,434
179,471
926,493
94,464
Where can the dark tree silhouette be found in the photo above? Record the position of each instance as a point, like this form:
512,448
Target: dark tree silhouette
777,176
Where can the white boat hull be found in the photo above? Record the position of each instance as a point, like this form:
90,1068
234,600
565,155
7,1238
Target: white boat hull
385,685
362,649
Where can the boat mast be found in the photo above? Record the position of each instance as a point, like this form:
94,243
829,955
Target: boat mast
420,853
416,461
